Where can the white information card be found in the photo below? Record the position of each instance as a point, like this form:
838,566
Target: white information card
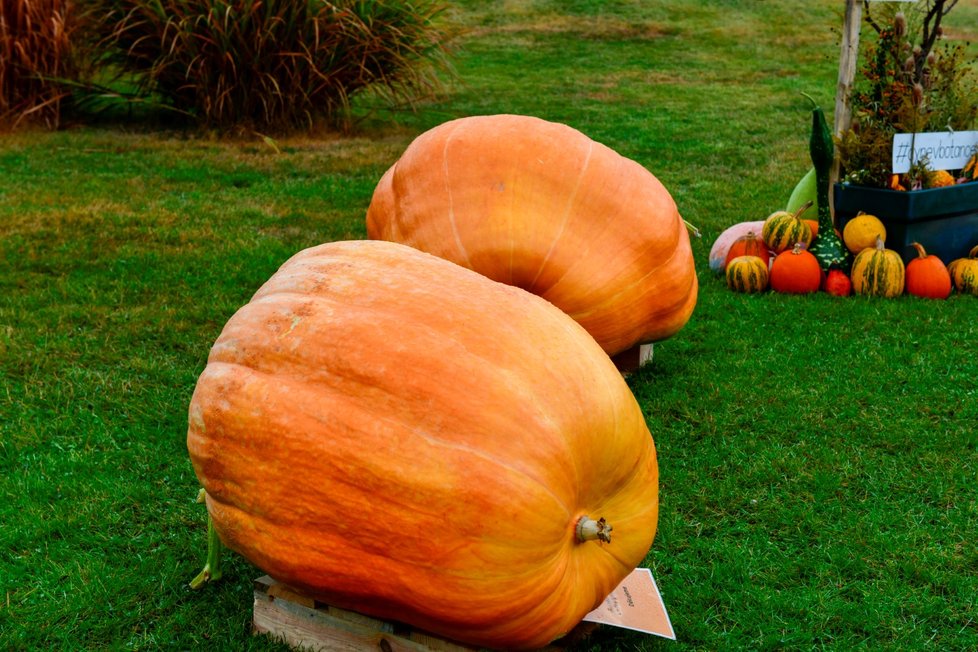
944,150
636,604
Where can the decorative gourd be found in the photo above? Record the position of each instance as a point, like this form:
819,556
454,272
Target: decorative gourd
541,206
927,276
827,247
747,274
804,191
783,230
721,246
964,273
837,283
878,272
796,271
749,245
394,434
861,232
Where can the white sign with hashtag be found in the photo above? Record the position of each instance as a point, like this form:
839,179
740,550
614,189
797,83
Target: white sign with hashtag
942,150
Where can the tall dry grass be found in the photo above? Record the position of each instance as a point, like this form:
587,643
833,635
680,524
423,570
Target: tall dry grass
36,54
276,63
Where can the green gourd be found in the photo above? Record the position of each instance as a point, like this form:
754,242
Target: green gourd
804,192
827,246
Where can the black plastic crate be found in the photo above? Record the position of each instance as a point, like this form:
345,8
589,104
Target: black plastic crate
943,220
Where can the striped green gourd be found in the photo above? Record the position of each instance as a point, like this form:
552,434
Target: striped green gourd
878,272
747,274
827,247
783,230
964,273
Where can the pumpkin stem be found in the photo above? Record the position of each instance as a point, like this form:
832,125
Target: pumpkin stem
692,229
804,207
212,568
921,252
588,530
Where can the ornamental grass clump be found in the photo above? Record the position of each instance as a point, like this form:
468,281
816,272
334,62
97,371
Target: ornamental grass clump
36,56
911,81
276,63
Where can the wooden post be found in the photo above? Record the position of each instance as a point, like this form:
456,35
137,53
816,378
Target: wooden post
847,73
847,64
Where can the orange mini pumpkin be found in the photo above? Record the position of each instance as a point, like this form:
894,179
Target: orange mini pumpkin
394,434
796,271
541,206
927,276
749,244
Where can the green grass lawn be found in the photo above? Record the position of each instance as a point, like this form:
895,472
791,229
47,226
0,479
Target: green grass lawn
818,456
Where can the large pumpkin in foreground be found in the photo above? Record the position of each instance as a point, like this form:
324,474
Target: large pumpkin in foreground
394,434
540,205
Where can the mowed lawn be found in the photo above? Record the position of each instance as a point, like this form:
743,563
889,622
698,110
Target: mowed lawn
818,456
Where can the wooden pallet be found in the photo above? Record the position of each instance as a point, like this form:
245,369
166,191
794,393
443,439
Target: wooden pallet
630,360
311,626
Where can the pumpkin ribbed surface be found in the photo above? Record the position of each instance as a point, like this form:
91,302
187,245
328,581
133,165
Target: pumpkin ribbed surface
750,244
926,276
877,271
394,434
796,271
721,246
541,206
747,274
964,273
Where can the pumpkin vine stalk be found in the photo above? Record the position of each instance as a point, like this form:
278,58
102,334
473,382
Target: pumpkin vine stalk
213,569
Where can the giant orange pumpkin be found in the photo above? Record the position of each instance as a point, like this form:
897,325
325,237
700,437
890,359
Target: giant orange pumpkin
540,205
392,433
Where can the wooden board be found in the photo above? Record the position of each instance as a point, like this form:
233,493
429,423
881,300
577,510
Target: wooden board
308,625
630,360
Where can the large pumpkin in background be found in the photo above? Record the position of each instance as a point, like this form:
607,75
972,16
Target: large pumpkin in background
541,206
394,434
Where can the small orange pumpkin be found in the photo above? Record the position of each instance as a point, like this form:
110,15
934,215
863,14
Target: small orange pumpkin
927,276
541,206
749,245
394,434
796,271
